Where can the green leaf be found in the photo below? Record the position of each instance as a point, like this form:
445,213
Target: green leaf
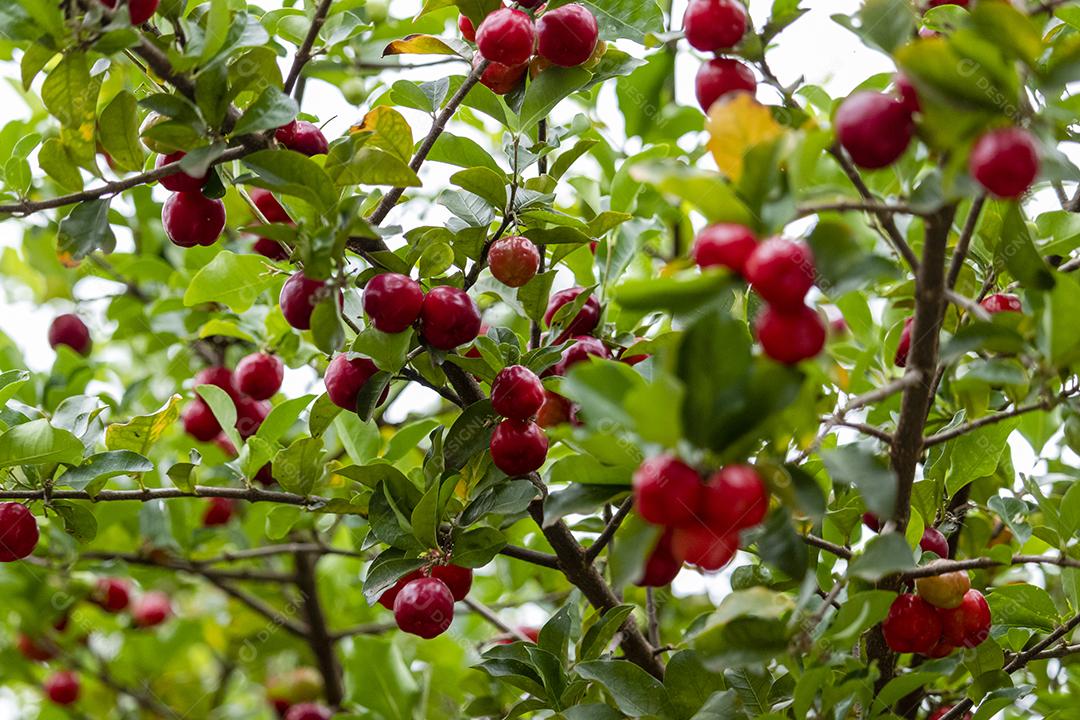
462,152
299,466
477,547
86,229
484,182
1023,606
224,409
39,443
635,692
79,521
105,465
600,634
232,280
70,95
291,173
859,467
59,165
883,555
549,89
1016,250
282,417
470,434
674,294
141,432
386,570
623,19
118,132
271,110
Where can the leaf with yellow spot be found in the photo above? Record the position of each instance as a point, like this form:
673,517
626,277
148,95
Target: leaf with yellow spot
389,130
141,432
735,127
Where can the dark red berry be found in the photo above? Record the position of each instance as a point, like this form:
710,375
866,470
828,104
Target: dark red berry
250,414
199,421
874,128
466,27
191,218
567,35
789,337
934,541
18,532
151,609
720,77
943,711
583,348
713,25
112,594
270,207
908,95
782,272
138,10
259,375
700,545
872,521
218,376
517,393
219,511
661,567
458,579
388,597
667,491
181,181
299,296
725,245
1001,302
904,346
969,624
513,260
265,476
302,137
1005,162
70,330
449,318
309,711
62,687
271,249
734,498
346,376
393,302
424,607
498,78
583,323
912,625
518,447
34,650
507,37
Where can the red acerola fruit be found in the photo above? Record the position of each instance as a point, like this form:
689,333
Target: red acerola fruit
713,25
583,323
874,128
498,78
393,302
112,594
250,414
424,607
912,625
789,337
782,272
388,597
517,393
1002,302
939,3
1005,162
218,376
514,260
70,330
219,511
271,249
942,711
734,498
904,346
518,447
667,491
556,410
458,579
346,376
299,296
449,318
583,347
138,10
199,421
270,207
872,521
722,76
700,545
934,541
151,610
302,137
507,37
466,27
33,650
18,532
265,476
908,95
62,688
725,245
259,375
309,711
567,35
181,181
661,567
191,218
968,624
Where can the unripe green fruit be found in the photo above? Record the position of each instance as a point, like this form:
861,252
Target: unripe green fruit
355,91
377,10
944,591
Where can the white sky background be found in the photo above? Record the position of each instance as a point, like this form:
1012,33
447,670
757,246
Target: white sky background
814,47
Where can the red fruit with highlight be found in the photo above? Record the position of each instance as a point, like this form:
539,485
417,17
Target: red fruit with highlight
466,27
700,545
874,128
583,348
782,272
70,330
567,35
271,249
259,375
219,511
661,567
346,376
667,491
720,77
151,609
514,260
789,337
498,78
199,421
458,579
1001,302
725,245
270,207
299,296
517,393
518,447
1005,162
586,320
904,347
191,218
181,181
934,541
302,137
908,95
393,302
713,25
112,594
968,624
424,607
449,318
507,37
62,688
734,498
138,10
912,625
250,414
388,597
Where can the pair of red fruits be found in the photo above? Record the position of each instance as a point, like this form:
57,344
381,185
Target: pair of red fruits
782,272
715,26
257,378
915,625
423,601
702,519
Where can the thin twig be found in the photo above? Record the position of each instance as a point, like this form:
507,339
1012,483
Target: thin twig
303,54
594,550
488,614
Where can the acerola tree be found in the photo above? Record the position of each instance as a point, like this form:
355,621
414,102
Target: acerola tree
794,340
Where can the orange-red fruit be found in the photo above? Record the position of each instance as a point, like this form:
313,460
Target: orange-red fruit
424,607
1002,302
191,218
789,337
661,567
722,76
518,447
458,579
1005,162
70,330
556,410
874,128
18,532
968,624
449,318
781,271
725,245
393,302
567,35
701,545
151,609
112,594
345,377
498,78
507,37
513,260
667,491
517,393
62,688
219,511
734,498
944,591
713,25
259,375
913,625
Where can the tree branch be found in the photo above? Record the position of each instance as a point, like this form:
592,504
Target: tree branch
608,533
192,567
303,54
531,556
322,645
488,614
946,435
261,607
869,206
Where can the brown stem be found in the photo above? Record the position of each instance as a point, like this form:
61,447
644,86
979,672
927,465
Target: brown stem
608,533
148,494
322,645
303,55
261,607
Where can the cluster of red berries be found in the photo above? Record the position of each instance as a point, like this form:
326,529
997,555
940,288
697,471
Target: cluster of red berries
916,625
993,304
518,445
70,330
567,36
423,601
782,272
701,520
714,26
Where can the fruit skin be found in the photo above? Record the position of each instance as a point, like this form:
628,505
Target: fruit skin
968,624
309,711
270,207
498,78
944,591
30,649
721,76
466,27
191,218
713,25
299,296
181,181
389,596
62,687
507,37
556,410
514,260
250,414
259,375
346,376
942,711
302,137
782,272
112,594
939,3
1005,162
449,318
219,511
393,302
583,347
518,447
1002,302
458,579
790,337
874,128
934,541
725,245
424,607
199,421
908,95
218,376
872,521
18,532
700,545
667,491
913,625
567,35
904,347
139,10
661,567
70,330
151,610
583,323
517,393
271,249
734,498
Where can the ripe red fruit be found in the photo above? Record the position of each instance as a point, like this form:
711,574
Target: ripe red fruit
151,609
309,711
514,260
583,347
218,376
458,579
424,607
944,591
939,3
782,272
271,249
725,245
389,596
346,376
498,78
517,393
713,25
112,594
139,10
904,347
912,625
583,323
199,421
661,567
259,375
302,137
721,76
250,414
934,541
393,302
874,128
265,476
449,318
790,337
734,498
1005,162
299,296
518,447
942,711
556,410
32,650
1001,302
942,649
181,181
18,532
466,27
968,624
530,3
908,95
270,207
567,35
700,545
70,330
667,491
507,37
219,511
872,521
62,688
191,218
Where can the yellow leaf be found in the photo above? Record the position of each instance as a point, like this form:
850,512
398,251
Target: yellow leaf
140,434
419,45
389,130
735,127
